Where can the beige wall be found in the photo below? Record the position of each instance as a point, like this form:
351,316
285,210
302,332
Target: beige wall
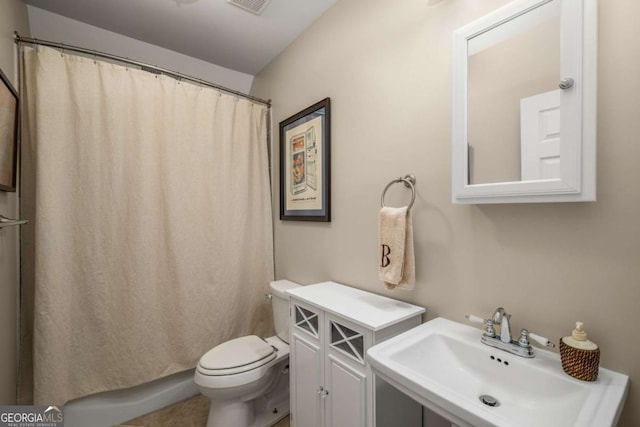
387,68
13,16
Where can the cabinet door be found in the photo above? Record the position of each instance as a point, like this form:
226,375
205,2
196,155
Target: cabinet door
345,401
306,363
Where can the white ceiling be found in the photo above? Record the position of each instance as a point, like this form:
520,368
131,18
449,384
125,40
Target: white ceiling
212,30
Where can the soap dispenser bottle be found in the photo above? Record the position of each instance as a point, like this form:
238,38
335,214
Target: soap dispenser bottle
580,357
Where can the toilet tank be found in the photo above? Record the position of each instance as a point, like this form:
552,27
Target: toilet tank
280,304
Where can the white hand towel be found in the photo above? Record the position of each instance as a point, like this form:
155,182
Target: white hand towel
397,261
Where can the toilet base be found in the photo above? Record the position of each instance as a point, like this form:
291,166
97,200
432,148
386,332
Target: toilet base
263,411
271,408
229,413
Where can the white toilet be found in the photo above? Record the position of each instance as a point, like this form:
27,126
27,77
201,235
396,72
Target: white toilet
247,378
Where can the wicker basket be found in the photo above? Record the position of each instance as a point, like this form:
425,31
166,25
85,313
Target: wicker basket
580,364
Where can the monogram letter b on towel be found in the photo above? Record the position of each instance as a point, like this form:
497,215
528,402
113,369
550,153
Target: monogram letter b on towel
386,250
397,266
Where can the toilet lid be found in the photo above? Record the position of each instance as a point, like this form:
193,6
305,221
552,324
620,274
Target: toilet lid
249,351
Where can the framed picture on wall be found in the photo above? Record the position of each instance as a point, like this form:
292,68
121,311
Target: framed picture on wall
305,172
8,134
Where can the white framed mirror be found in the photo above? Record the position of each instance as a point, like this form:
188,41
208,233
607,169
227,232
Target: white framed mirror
524,104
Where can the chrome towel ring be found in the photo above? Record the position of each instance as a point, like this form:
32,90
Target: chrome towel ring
409,182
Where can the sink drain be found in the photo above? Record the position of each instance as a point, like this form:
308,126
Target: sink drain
489,400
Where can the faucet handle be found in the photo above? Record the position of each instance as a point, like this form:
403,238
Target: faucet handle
542,340
524,338
525,335
487,322
475,319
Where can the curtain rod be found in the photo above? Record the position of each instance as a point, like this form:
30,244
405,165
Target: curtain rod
146,67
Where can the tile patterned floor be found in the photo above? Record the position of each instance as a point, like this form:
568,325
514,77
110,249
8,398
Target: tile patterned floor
189,413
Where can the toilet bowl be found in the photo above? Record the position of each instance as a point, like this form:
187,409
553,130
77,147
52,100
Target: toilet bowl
247,378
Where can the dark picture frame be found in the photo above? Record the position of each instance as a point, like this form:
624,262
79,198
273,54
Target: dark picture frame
9,108
305,164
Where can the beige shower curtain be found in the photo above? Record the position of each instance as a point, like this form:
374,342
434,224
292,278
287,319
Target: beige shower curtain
152,233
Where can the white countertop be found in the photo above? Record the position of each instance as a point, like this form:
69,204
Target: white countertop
366,309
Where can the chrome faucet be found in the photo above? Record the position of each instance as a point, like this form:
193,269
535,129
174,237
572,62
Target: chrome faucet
500,317
521,347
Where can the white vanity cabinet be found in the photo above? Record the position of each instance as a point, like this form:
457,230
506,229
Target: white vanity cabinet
332,327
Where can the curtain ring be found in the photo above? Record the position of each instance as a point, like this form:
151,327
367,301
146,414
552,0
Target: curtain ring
409,182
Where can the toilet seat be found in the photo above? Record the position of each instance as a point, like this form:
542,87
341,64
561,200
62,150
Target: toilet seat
236,356
254,356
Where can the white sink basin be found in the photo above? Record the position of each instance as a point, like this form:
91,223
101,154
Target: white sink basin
443,365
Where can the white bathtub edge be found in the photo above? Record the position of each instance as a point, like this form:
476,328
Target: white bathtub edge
114,407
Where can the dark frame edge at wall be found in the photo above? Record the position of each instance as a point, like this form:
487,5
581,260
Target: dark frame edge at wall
322,217
16,122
